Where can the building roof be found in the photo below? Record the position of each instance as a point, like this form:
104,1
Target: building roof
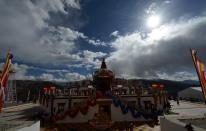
190,89
196,88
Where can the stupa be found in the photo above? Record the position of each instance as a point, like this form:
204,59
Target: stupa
103,78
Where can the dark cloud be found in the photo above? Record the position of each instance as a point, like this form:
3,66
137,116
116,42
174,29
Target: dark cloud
164,54
25,30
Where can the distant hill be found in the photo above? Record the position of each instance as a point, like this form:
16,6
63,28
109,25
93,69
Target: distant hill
172,86
192,82
23,87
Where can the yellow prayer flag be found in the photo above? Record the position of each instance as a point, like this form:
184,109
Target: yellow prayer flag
202,67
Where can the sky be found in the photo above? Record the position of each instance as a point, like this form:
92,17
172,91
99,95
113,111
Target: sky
65,40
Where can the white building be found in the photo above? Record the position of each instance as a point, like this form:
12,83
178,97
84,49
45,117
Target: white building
104,105
191,93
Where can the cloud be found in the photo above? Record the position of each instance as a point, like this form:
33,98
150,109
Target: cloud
163,54
115,33
50,77
75,65
20,71
89,55
178,76
74,76
47,77
151,8
26,30
57,5
91,59
96,42
167,1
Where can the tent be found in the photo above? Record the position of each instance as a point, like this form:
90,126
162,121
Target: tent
191,93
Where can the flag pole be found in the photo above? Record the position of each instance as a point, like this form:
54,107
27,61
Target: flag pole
193,59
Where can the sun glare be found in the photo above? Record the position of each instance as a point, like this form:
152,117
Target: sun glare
153,21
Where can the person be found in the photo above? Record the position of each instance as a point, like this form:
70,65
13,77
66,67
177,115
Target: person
189,127
178,101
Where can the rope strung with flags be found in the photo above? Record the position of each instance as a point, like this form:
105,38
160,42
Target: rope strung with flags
90,102
125,108
4,78
75,110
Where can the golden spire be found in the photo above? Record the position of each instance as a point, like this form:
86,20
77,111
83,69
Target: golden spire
103,66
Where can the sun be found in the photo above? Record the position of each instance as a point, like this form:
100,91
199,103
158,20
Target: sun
153,21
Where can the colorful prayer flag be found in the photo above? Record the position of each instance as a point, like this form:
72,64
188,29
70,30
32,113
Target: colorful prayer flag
200,71
4,78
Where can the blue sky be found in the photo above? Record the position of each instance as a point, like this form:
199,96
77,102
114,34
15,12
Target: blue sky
65,40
